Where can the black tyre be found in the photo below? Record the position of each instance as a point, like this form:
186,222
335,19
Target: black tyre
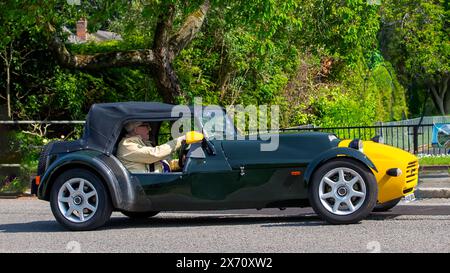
343,191
140,215
386,206
80,201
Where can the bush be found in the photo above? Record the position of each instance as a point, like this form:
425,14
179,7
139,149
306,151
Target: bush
342,109
28,147
361,97
15,185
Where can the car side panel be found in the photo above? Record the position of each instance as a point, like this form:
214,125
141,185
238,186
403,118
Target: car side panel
125,191
221,185
205,184
267,179
211,183
293,150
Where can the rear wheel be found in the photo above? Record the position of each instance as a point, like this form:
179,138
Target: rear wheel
140,215
343,191
386,206
79,200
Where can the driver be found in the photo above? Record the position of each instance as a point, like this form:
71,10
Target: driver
138,155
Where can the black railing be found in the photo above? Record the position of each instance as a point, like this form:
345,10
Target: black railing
415,139
412,138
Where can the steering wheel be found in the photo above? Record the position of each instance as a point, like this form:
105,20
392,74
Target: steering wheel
182,154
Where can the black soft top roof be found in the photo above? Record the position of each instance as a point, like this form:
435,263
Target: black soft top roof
105,121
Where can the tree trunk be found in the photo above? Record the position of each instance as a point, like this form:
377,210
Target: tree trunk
440,95
224,79
8,89
437,100
165,76
444,90
7,59
166,79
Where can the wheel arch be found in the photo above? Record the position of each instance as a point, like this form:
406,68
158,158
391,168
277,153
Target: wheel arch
94,166
337,153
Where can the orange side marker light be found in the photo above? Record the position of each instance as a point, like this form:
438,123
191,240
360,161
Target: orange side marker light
296,173
38,180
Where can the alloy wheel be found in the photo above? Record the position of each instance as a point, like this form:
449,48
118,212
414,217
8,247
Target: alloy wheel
77,200
342,191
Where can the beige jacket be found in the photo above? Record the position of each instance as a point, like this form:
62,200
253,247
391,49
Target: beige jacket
137,155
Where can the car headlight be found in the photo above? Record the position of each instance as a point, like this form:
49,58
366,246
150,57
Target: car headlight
356,144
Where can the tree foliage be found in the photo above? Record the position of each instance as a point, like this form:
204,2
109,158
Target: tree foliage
319,60
415,38
327,63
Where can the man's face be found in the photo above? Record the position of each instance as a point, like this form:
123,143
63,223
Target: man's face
143,131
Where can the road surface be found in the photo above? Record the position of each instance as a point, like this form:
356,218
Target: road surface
27,225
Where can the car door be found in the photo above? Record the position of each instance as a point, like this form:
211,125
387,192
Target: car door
213,182
205,183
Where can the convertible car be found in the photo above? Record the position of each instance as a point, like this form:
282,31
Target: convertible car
343,180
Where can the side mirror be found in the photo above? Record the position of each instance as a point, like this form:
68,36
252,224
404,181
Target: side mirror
193,137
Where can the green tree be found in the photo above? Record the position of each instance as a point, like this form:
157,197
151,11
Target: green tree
22,21
415,38
227,52
168,27
346,30
16,20
157,58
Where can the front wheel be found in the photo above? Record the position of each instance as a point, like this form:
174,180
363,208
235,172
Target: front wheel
79,200
343,191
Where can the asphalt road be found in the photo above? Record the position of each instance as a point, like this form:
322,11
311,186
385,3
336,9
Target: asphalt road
27,225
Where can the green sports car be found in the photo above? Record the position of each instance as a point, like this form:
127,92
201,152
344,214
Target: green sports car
84,181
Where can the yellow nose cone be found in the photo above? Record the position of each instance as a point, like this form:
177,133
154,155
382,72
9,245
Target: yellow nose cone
193,137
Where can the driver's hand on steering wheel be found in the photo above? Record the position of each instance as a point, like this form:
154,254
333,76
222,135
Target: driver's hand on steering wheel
174,165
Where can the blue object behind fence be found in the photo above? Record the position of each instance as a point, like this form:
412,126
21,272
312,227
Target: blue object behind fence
441,135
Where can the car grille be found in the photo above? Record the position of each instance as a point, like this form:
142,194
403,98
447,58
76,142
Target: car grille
412,171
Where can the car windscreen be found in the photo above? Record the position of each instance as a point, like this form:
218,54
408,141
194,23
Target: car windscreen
217,124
